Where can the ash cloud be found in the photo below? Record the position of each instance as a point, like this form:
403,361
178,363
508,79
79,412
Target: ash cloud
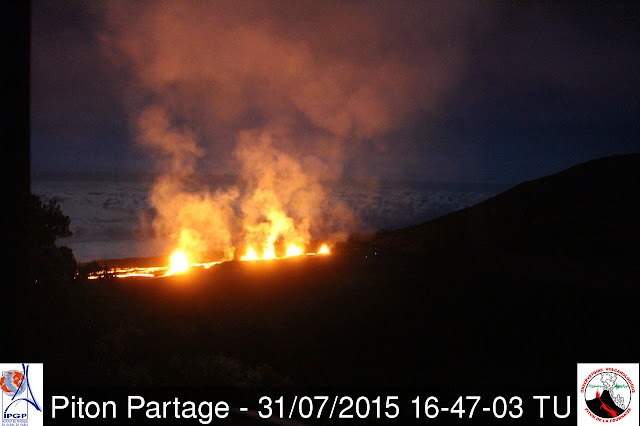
285,94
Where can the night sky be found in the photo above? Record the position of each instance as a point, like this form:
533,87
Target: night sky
497,92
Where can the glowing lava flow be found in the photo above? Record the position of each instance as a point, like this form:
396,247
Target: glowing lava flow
179,263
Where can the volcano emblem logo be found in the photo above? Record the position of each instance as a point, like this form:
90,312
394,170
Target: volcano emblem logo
608,395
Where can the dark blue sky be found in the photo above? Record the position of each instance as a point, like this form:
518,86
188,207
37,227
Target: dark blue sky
544,87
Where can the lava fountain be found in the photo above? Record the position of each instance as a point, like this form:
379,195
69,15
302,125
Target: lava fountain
178,263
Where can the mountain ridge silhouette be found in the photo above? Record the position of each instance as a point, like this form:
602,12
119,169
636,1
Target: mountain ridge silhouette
586,211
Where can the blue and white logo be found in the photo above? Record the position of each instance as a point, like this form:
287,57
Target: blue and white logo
20,404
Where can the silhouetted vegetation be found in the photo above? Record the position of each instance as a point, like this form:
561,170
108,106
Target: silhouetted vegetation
48,263
85,269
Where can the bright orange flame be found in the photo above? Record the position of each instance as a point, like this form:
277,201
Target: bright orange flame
269,254
293,250
179,263
324,249
251,255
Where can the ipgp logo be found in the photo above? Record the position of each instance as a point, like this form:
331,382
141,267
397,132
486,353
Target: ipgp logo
21,386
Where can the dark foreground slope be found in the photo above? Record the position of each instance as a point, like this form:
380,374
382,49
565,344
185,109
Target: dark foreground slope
511,291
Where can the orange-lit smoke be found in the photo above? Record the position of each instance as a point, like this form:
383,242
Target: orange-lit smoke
198,223
281,93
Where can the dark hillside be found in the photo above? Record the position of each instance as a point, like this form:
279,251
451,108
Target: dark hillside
590,210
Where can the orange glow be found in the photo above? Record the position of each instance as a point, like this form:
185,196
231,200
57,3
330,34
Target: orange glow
205,265
251,255
269,254
293,250
133,275
324,250
179,263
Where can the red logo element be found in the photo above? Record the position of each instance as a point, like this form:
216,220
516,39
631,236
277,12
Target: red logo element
608,409
12,382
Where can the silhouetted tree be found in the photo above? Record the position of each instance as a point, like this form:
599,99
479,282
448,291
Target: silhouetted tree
86,269
47,261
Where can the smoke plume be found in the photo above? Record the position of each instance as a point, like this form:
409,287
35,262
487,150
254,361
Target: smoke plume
282,93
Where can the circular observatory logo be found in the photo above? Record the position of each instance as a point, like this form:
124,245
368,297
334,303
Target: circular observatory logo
12,382
608,394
